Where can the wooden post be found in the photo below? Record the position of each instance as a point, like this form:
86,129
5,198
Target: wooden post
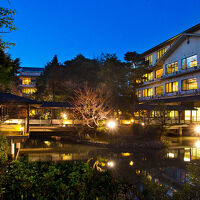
179,117
180,131
27,120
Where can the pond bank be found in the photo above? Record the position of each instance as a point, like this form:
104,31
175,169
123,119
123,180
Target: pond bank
117,142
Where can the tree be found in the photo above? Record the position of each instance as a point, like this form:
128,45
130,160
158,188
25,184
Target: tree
113,80
6,25
137,68
8,70
90,106
81,69
49,84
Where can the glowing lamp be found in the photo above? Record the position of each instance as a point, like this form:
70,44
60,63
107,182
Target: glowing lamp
111,124
197,144
197,129
64,116
110,164
125,154
142,123
131,163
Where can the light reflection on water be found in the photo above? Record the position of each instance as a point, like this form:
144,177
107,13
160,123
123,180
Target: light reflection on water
161,166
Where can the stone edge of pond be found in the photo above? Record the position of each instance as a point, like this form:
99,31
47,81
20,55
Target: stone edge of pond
138,145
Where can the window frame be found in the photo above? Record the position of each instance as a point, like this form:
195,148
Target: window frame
185,58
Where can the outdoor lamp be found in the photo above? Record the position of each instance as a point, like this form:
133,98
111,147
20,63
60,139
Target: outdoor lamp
110,164
197,129
64,116
111,124
197,144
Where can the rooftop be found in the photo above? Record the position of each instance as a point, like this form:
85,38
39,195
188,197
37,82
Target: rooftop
171,40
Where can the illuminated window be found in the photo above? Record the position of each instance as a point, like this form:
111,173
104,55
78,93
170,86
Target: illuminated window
189,84
138,93
148,77
173,114
159,90
26,81
172,67
149,58
187,114
171,87
147,92
161,52
189,62
29,90
159,73
138,81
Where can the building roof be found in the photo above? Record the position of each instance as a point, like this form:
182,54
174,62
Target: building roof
31,69
55,105
11,98
171,40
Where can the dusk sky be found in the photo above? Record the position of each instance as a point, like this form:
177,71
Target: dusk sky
90,27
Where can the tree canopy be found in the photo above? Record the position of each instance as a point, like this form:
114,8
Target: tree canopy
6,25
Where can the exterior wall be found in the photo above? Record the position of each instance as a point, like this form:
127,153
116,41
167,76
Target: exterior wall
189,47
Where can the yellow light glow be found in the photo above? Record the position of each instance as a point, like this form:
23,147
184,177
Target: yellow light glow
110,164
131,163
26,81
132,120
197,129
126,122
67,156
137,171
111,124
47,143
64,116
67,121
186,159
21,128
126,154
197,144
142,123
170,155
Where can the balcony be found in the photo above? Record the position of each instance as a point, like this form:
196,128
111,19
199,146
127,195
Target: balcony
173,94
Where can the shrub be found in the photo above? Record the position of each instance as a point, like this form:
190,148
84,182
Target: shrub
39,180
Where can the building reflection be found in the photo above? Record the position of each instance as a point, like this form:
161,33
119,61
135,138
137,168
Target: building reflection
166,166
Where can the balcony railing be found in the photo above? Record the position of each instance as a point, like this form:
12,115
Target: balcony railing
173,94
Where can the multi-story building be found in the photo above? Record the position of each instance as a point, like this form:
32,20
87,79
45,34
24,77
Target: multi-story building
27,77
175,73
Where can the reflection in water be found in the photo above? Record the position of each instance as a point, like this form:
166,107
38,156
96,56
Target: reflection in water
166,166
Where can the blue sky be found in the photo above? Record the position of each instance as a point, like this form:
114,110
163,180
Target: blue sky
90,27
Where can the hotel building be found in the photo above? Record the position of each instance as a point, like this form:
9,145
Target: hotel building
175,74
27,78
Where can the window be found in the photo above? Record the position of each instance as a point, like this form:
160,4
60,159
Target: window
161,52
159,90
149,58
189,62
189,84
172,67
26,81
171,87
148,77
29,90
159,73
147,92
138,94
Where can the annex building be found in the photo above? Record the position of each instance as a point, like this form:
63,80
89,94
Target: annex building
174,79
27,79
